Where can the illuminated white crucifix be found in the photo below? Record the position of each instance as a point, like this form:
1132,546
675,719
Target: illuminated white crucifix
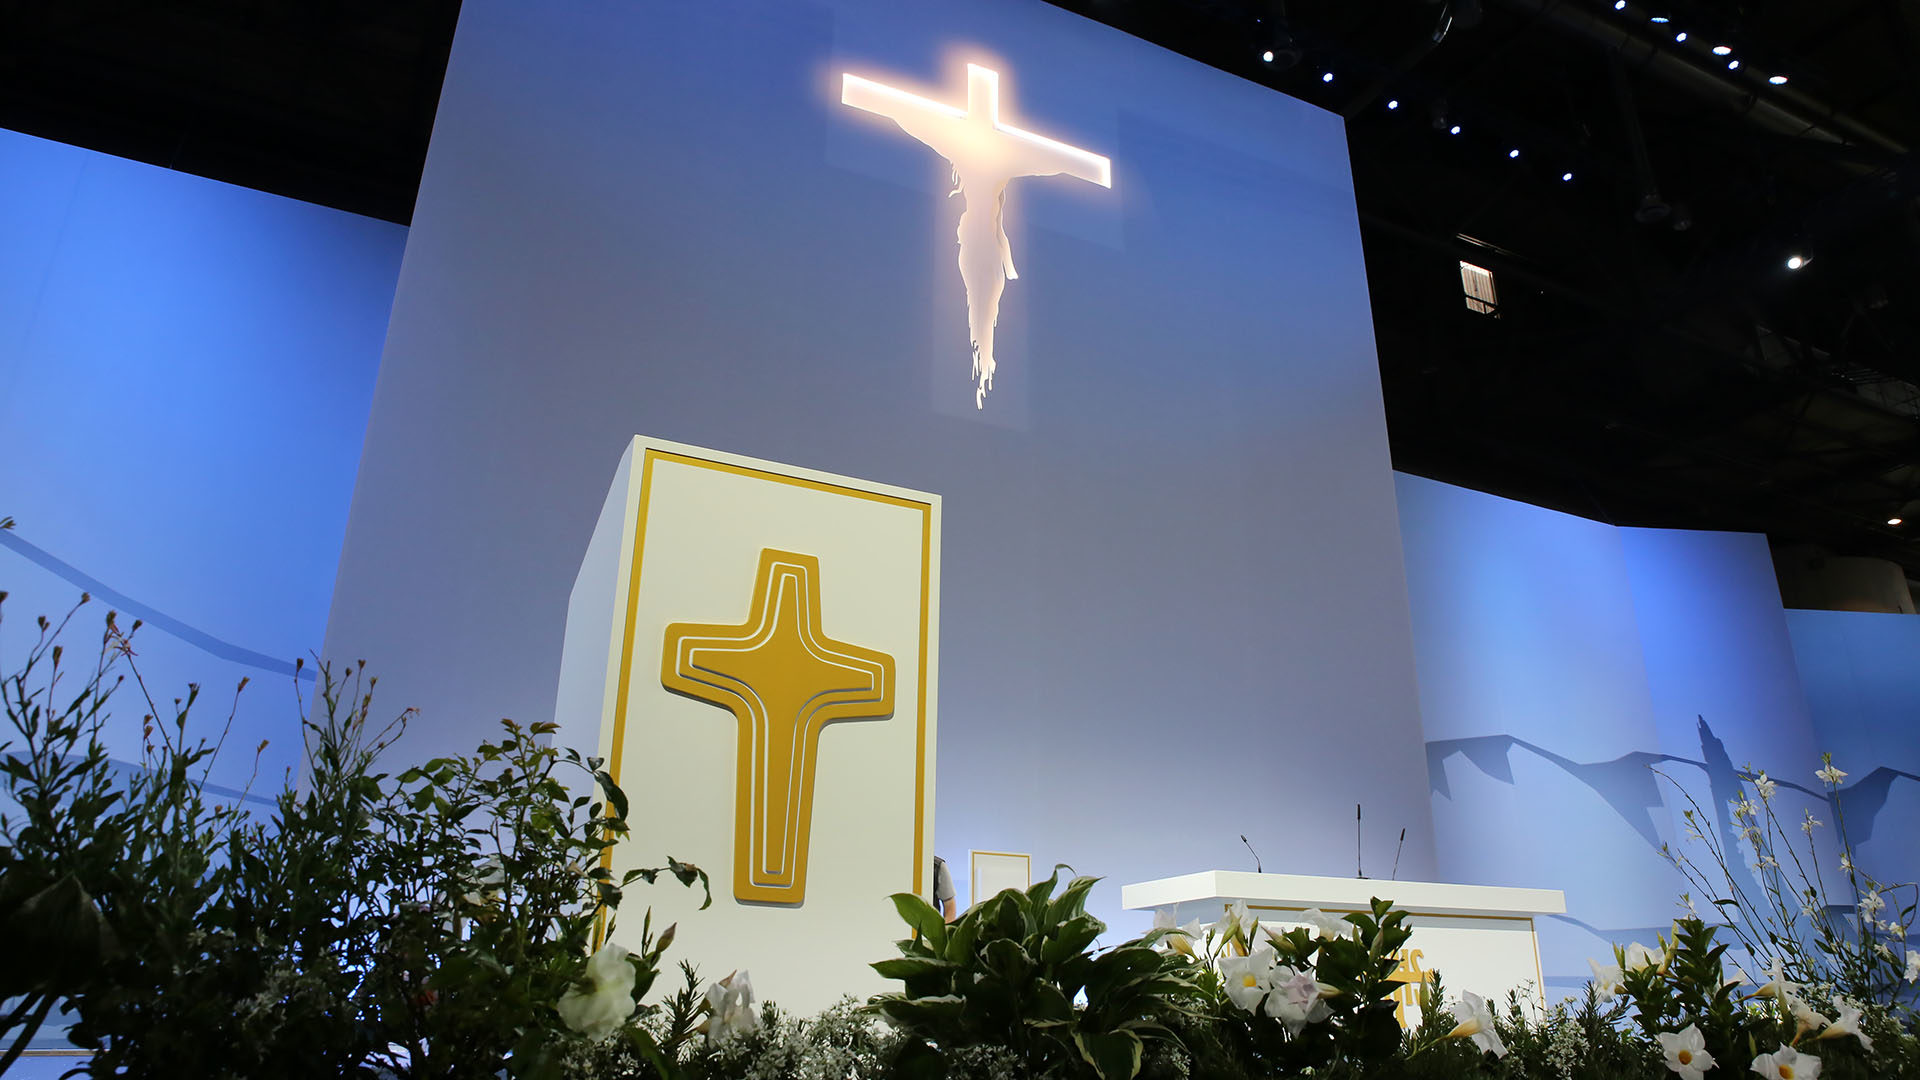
986,155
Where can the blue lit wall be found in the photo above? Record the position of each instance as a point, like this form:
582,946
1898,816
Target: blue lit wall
185,373
1562,661
1173,608
1862,678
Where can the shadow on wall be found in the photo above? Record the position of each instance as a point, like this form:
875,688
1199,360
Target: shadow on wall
1629,784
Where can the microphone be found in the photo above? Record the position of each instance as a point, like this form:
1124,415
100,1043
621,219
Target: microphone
1256,855
1357,871
1396,856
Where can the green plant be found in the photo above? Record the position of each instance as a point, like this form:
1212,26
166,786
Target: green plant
420,925
109,868
1007,974
1781,913
1318,996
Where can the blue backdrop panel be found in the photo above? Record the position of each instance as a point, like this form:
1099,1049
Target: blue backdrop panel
1862,676
1580,683
185,372
1173,608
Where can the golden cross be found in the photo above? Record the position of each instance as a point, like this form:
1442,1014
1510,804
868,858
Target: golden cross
784,680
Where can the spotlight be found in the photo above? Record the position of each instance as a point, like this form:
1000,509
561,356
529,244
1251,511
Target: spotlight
1722,50
1619,5
1733,65
1267,56
1680,38
1393,104
1454,130
1894,521
1326,77
1513,153
1795,262
1777,80
1566,177
1661,19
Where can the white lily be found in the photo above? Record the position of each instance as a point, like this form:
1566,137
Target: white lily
1607,979
1237,921
730,1008
1330,927
1787,1063
1776,984
1298,999
1477,1025
1848,1023
1804,1018
1831,775
1248,978
1686,1052
600,1002
1640,958
1913,966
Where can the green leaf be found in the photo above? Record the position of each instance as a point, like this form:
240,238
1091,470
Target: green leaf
909,967
1114,1055
920,915
615,796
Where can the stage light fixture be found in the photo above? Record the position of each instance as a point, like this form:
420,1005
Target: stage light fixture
1454,130
1777,80
1658,19
1566,177
1326,76
1619,5
1514,153
1393,103
1733,65
1680,38
1722,50
1267,56
1894,521
1795,262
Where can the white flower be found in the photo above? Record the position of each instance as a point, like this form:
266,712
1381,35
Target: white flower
1297,999
1764,786
1739,976
1179,939
1881,948
600,1002
1607,979
1248,978
1327,926
1847,1024
1913,966
1640,958
1477,1024
1237,921
1776,984
1831,775
1686,1052
1804,1018
1767,862
1787,1064
1896,930
1810,824
1742,808
1871,903
730,1008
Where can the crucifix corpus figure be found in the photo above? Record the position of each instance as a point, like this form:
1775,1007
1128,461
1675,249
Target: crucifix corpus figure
986,155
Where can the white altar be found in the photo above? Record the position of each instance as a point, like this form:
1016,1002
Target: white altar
1480,938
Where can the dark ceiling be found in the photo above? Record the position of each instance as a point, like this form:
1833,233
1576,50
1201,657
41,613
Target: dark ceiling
1653,361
